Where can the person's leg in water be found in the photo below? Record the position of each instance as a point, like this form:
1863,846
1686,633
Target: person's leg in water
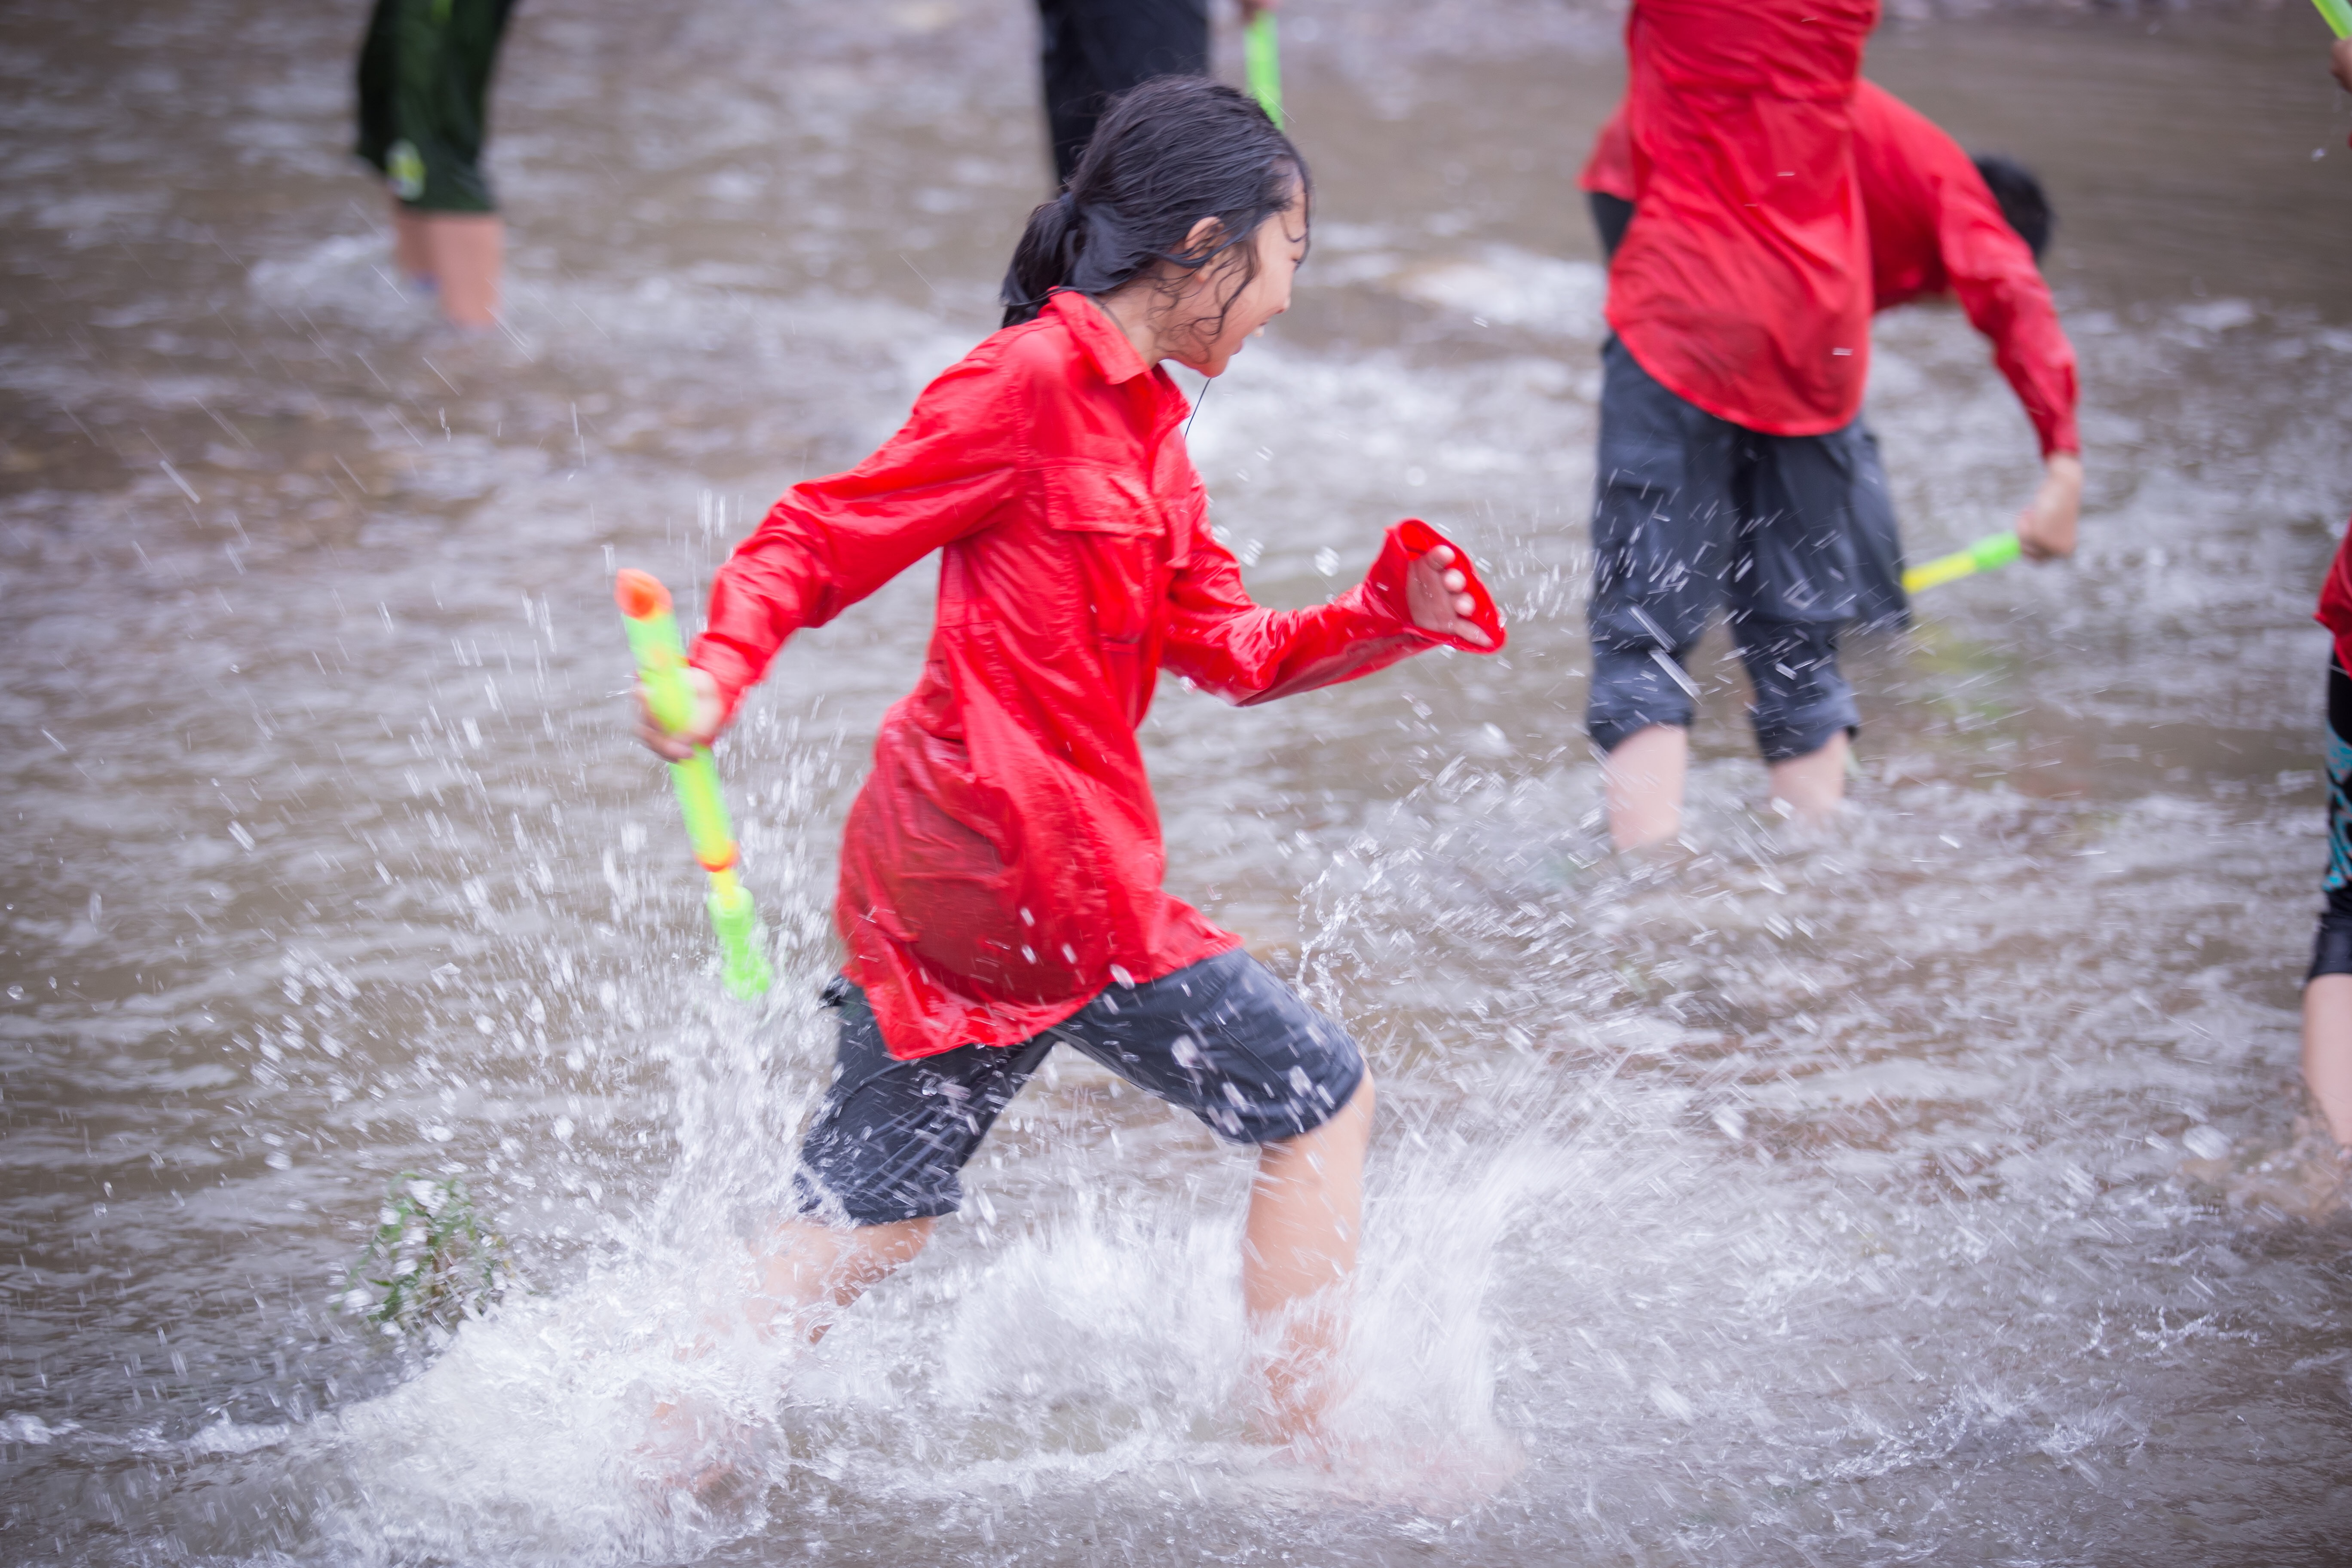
1644,777
412,246
1663,516
457,256
878,1167
469,253
809,1271
1793,585
2327,991
424,83
1299,1249
1222,1038
1803,713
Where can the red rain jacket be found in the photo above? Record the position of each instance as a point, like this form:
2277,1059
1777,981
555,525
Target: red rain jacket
1743,285
2336,600
1934,228
1003,864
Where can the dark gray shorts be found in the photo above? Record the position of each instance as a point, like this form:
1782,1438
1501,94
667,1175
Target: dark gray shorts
1879,605
1692,513
1222,1038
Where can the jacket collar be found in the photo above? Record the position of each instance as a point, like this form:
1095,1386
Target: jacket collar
1097,335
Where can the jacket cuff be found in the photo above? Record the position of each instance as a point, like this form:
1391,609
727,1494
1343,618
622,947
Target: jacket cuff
1384,587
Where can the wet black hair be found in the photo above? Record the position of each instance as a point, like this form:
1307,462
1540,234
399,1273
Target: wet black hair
1170,153
2022,201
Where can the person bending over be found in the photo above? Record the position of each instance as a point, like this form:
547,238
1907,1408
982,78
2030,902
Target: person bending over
1741,302
1000,888
1940,224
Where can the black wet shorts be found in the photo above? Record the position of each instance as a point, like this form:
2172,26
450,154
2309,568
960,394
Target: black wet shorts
1222,1038
1692,513
1879,605
2332,952
424,91
1880,602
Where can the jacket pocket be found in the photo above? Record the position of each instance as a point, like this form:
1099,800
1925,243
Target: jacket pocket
1116,543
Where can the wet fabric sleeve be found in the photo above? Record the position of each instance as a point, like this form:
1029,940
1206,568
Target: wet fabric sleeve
1221,642
1993,273
830,542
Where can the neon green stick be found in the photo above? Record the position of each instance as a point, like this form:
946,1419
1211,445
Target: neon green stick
1264,54
2338,16
1984,555
661,665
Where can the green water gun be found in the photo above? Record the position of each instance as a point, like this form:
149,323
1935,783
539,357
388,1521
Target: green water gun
2338,16
1984,555
661,665
1263,52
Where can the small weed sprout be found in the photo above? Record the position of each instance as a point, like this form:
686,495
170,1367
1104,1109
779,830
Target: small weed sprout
430,1263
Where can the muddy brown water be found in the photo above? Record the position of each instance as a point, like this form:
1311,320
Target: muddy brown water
1788,1199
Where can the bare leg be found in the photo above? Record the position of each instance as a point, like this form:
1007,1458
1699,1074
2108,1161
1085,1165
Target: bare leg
810,1271
412,251
1644,777
467,251
1306,1218
2327,1050
1812,785
806,1275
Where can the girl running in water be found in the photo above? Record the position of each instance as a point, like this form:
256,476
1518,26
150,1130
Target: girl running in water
999,890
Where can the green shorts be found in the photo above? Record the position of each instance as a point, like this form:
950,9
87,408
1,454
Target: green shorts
425,82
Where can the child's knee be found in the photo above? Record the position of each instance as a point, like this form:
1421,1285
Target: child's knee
1631,690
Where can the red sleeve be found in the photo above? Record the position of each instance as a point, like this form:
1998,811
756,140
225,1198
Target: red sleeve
1219,641
1993,273
830,542
1610,170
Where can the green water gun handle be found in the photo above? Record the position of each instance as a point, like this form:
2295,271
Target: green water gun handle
661,667
2338,16
1984,555
1263,52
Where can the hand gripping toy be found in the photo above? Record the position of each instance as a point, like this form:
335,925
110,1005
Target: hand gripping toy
661,667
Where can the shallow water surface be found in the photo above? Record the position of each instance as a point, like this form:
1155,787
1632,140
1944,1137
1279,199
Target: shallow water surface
1787,1198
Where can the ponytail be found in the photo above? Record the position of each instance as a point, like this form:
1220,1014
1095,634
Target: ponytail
1168,153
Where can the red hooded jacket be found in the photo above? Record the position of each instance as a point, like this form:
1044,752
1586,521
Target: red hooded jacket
1743,285
1003,864
1934,227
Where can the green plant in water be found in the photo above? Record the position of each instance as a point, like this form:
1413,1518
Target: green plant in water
430,1262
